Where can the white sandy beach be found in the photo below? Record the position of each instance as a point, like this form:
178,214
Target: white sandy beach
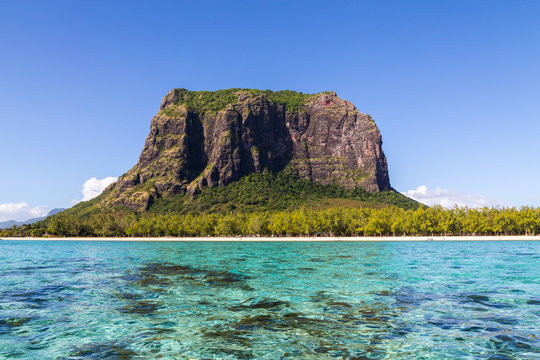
306,238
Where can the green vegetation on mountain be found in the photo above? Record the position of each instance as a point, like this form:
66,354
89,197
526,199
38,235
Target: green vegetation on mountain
213,101
273,192
264,192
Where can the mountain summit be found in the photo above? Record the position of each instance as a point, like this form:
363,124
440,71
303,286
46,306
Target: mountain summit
201,139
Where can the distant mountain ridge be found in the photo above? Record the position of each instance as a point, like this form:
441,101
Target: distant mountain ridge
10,223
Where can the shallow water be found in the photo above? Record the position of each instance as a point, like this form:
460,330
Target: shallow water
238,300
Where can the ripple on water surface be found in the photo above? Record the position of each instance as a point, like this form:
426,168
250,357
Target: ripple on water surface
185,300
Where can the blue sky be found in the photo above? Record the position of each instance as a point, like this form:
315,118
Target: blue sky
452,85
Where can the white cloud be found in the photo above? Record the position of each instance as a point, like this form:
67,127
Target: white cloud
449,198
21,211
94,186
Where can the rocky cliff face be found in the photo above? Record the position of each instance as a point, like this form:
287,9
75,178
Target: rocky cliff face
205,139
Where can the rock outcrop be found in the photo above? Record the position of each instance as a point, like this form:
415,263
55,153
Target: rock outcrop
205,139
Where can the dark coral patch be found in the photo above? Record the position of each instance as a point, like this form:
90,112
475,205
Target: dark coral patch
112,351
262,304
140,307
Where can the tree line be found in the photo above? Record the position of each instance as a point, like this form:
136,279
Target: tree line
387,221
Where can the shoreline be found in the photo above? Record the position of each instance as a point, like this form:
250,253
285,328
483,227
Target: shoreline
287,239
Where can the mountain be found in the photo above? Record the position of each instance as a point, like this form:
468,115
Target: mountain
245,161
55,211
10,223
203,139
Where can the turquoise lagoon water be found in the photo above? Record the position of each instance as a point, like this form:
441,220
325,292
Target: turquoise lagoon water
235,300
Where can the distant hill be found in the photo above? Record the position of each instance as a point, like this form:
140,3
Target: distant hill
10,223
